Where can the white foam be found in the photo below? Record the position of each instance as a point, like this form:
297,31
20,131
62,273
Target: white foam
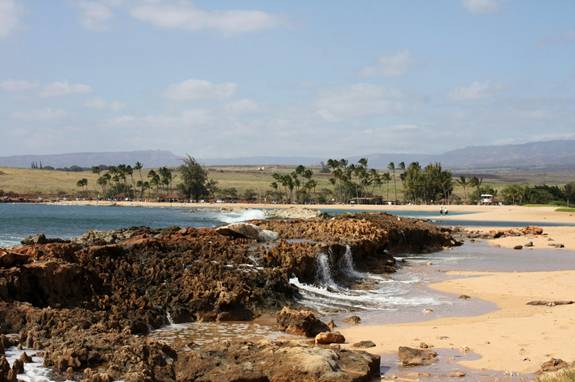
33,372
241,216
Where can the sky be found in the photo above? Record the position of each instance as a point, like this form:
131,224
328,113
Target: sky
220,79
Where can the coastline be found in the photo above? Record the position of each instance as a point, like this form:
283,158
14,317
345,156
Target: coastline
515,337
465,212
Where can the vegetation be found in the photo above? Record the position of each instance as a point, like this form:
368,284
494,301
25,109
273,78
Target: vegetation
195,182
560,376
333,181
427,185
540,194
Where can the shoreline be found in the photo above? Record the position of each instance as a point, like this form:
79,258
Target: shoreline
465,212
514,337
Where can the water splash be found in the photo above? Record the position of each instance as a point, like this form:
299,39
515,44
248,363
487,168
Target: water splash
349,269
241,216
170,319
324,272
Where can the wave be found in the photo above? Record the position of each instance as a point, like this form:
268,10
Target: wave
386,293
241,216
33,372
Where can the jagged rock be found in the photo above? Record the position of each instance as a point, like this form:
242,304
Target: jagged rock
25,358
247,231
40,239
331,325
18,366
553,364
529,244
550,303
364,344
355,320
300,322
416,357
326,338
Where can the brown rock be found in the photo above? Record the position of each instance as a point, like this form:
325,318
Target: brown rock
553,364
300,322
518,247
416,357
18,367
355,320
326,338
11,376
464,297
25,358
364,344
331,325
456,374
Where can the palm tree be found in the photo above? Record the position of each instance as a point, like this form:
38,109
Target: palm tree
391,167
83,183
463,182
386,178
154,181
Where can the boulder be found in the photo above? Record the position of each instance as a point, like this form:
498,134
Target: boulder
247,231
326,338
518,247
300,322
416,357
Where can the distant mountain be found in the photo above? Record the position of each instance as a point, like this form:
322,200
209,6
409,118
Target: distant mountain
535,155
150,158
263,160
542,155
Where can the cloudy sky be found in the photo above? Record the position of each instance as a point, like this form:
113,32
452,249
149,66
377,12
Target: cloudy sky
286,77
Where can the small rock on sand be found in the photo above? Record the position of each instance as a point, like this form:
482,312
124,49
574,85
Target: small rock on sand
416,357
364,344
464,297
326,338
456,374
550,303
355,320
518,247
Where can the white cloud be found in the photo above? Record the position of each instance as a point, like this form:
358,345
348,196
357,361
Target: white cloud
9,17
102,104
357,101
192,90
481,6
474,91
17,85
56,89
184,15
40,115
242,106
390,66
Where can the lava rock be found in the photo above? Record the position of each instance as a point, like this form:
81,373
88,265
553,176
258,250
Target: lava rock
416,357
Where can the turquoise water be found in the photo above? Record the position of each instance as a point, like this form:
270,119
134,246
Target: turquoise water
20,220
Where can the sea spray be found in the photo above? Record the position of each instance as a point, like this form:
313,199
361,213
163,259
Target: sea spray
349,269
324,271
241,215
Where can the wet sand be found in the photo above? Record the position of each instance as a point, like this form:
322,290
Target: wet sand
553,236
515,337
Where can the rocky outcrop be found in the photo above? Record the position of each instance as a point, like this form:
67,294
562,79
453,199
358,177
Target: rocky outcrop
89,302
499,233
276,362
326,338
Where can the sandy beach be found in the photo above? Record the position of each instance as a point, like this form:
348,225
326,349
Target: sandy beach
516,337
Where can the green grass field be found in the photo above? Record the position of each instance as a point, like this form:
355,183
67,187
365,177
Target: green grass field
565,209
52,182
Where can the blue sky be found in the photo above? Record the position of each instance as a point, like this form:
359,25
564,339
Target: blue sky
322,78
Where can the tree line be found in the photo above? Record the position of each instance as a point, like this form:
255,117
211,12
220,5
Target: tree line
348,183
